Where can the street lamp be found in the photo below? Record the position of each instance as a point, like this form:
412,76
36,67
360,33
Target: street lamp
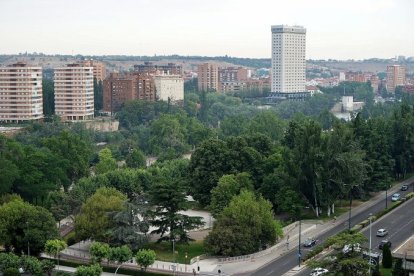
370,242
299,249
386,196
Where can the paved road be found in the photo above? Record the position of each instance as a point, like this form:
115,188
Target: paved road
399,223
290,260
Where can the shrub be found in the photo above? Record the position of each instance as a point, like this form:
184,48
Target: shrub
11,271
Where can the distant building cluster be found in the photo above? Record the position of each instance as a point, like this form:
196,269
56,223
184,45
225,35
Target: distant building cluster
21,92
211,77
148,82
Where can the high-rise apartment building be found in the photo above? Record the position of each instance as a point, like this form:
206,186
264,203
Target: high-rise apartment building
395,77
121,88
74,92
208,77
288,60
20,93
99,68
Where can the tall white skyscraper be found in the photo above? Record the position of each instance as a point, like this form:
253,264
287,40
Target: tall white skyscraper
288,59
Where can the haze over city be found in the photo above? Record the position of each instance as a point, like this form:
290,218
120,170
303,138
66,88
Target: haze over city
350,29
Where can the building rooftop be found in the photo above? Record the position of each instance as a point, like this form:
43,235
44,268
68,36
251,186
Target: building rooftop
406,249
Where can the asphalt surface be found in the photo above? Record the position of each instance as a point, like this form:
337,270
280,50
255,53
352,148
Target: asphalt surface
290,260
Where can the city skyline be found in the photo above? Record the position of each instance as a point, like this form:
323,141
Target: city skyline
336,29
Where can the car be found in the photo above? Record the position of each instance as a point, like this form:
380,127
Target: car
384,243
382,232
396,197
356,247
404,187
309,242
318,271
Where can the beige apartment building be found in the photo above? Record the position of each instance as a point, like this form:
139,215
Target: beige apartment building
99,68
74,92
20,93
169,87
208,77
395,77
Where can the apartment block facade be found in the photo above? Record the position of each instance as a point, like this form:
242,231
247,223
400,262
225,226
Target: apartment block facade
99,68
288,70
74,99
20,93
155,69
121,88
169,88
395,77
208,77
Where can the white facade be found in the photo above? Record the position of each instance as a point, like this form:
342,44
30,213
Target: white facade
169,87
21,96
74,92
288,59
348,103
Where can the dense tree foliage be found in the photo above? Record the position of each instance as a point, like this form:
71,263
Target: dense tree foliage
22,224
243,227
94,220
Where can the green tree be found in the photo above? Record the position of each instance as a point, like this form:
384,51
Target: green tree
74,151
31,265
54,247
386,257
227,187
208,163
99,251
106,162
145,258
97,94
120,255
11,271
9,260
398,269
135,159
131,224
92,270
167,133
168,195
94,219
22,223
48,97
47,266
245,226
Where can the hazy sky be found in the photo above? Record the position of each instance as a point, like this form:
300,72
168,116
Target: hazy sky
338,29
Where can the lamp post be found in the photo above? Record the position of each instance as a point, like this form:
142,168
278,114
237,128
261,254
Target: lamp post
370,243
350,205
28,243
299,249
174,266
386,197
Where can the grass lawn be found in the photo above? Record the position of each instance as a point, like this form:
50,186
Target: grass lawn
164,251
385,271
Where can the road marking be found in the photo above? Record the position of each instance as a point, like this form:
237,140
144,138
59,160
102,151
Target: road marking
270,273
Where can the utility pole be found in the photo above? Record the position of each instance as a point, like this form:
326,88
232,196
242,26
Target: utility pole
299,251
370,243
350,209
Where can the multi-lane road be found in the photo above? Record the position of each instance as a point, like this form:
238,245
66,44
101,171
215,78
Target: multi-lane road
287,262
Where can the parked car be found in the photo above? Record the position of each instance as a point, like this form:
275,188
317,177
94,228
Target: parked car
404,187
309,242
382,232
384,243
356,247
396,197
318,271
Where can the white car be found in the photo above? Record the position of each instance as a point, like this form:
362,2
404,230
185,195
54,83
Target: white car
396,197
348,248
382,232
318,271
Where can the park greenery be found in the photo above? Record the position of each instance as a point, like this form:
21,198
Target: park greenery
247,165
